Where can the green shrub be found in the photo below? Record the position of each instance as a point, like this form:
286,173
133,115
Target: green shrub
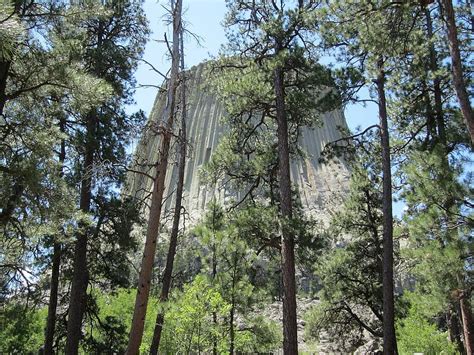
21,329
415,333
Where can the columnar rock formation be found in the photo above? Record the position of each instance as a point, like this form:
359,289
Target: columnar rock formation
320,185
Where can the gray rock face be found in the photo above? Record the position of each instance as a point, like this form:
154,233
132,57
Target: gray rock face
321,186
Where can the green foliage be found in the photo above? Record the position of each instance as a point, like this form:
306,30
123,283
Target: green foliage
11,31
189,326
416,334
21,329
110,321
262,336
350,269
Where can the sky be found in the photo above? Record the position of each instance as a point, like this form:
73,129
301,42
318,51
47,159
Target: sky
204,19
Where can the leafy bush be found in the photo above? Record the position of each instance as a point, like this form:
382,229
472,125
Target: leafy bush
415,334
263,336
111,326
21,329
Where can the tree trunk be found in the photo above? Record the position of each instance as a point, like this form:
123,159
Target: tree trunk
12,201
177,214
458,80
453,326
5,64
53,294
4,68
232,309
213,275
77,303
389,339
144,280
214,270
466,316
231,323
438,102
465,311
53,301
290,337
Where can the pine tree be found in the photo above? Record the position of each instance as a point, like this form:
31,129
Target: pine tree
375,39
144,280
351,268
113,42
270,40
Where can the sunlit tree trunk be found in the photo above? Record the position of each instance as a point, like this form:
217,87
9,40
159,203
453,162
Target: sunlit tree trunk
167,275
144,280
389,338
290,337
458,80
466,317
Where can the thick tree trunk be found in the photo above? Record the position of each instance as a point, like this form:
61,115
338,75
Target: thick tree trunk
458,80
12,202
290,337
454,332
389,339
176,217
453,327
77,303
466,316
144,280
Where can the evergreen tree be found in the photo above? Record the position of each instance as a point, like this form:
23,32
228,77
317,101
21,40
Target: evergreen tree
274,80
351,268
374,36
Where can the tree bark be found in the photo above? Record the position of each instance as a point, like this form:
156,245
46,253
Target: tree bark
231,324
53,293
144,280
4,68
454,332
177,214
457,72
53,301
12,201
77,303
232,309
466,316
290,337
438,102
389,338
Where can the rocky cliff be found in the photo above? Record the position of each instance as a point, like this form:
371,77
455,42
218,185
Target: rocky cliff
321,185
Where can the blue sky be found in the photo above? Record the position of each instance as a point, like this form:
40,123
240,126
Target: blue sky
204,18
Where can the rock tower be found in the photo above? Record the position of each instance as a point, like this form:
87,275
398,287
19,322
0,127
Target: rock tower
321,186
